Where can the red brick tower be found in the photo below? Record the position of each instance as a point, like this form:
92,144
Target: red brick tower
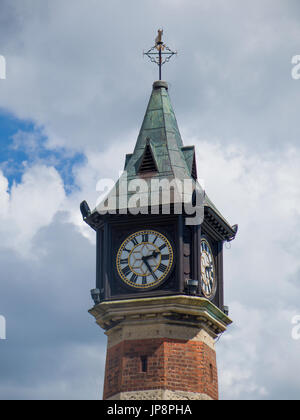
161,348
159,287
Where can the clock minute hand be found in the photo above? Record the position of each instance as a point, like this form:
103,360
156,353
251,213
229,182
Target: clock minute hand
149,267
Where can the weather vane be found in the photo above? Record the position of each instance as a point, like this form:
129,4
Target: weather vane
160,53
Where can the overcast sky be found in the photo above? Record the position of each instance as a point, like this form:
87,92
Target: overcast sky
71,106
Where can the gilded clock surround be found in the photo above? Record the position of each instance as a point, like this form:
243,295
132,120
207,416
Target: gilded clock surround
144,259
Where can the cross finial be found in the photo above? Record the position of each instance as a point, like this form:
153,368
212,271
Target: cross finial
160,53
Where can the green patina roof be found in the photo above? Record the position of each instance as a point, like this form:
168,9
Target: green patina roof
160,131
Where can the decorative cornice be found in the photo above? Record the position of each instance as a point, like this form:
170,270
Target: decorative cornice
224,231
180,309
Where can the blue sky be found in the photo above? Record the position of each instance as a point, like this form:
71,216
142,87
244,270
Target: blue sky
73,101
23,143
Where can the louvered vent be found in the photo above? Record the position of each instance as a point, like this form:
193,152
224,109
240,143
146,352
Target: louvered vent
194,169
148,163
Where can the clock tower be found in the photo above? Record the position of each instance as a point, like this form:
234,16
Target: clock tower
159,286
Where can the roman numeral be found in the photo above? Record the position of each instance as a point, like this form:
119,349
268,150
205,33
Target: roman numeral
156,237
145,237
165,257
124,261
162,247
134,278
134,241
126,270
162,268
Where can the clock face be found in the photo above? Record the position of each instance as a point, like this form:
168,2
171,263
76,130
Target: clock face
145,259
208,275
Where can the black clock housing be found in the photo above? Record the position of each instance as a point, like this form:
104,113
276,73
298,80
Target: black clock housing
186,242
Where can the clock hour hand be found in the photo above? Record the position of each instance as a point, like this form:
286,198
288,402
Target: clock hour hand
154,255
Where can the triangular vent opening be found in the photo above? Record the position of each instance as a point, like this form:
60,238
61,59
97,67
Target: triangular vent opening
148,163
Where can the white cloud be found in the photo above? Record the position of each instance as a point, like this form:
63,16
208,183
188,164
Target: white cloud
4,195
27,141
30,205
97,166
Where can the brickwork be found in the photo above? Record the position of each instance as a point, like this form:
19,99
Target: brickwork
170,364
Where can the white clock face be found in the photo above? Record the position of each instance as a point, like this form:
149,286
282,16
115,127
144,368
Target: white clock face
144,259
208,275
